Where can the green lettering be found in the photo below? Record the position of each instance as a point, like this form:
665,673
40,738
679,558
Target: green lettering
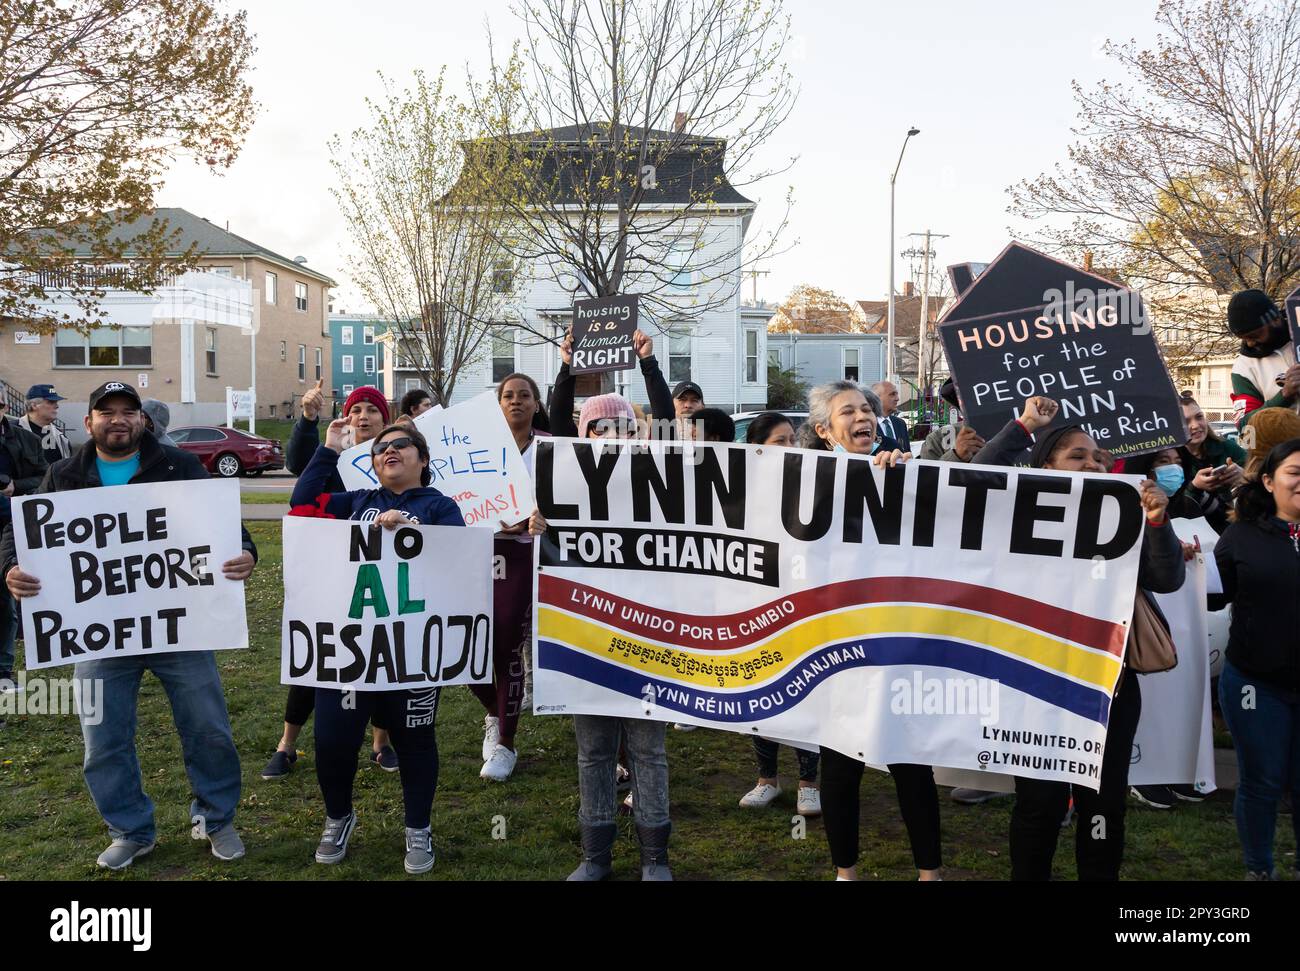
369,592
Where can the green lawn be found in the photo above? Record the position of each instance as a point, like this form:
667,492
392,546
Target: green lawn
265,498
49,829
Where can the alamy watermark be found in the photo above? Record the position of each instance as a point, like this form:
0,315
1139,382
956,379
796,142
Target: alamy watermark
53,696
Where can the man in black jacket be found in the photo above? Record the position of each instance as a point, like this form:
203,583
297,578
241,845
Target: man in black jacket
120,453
22,464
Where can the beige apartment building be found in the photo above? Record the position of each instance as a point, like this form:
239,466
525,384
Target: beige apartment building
187,348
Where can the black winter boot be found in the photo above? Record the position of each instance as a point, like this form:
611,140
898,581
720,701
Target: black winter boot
654,852
597,853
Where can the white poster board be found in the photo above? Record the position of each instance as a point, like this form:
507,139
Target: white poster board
130,570
373,609
474,460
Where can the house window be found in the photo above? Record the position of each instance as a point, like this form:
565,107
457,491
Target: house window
410,384
851,369
302,362
346,334
105,347
774,357
368,335
503,277
503,355
680,257
679,357
347,388
300,297
221,271
271,408
210,350
751,356
346,364
370,363
284,350
271,288
320,372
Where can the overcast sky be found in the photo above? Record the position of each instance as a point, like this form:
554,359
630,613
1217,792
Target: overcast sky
987,83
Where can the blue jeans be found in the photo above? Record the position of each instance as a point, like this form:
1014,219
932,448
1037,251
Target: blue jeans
8,628
112,769
1267,740
598,737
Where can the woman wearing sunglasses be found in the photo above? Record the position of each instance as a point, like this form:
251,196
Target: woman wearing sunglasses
401,461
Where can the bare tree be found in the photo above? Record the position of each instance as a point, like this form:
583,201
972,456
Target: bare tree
638,125
96,100
433,263
1185,180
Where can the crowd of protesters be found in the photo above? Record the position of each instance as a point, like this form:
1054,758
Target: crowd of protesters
1248,490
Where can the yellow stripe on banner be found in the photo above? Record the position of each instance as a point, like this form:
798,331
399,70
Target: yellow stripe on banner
786,649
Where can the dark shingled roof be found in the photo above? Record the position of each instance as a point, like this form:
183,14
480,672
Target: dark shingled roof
208,239
694,170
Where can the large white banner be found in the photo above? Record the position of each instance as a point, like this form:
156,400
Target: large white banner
935,613
473,458
129,570
372,609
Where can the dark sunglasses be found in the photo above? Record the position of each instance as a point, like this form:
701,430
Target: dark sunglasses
383,447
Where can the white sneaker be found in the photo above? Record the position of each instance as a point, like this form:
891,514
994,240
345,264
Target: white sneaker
683,727
500,765
491,736
627,803
759,796
810,801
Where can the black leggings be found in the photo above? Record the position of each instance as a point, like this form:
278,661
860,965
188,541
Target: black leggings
1099,816
302,702
918,799
341,718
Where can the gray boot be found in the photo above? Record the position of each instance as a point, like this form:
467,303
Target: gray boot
654,852
597,853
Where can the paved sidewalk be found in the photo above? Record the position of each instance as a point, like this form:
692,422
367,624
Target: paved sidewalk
263,511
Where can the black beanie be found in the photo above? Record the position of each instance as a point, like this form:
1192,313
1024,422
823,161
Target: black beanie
1250,310
948,392
1046,442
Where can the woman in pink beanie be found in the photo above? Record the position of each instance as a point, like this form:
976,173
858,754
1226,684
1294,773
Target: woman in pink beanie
607,416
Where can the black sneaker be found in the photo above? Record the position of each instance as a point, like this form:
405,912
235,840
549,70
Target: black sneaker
386,758
280,765
1189,793
1157,797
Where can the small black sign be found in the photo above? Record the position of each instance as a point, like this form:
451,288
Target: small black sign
602,334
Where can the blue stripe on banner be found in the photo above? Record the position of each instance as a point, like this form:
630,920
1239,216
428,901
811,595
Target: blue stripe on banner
1046,686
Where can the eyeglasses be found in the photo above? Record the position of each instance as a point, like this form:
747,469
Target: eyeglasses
383,447
612,426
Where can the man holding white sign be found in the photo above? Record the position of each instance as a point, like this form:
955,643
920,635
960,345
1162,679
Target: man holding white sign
394,649
168,641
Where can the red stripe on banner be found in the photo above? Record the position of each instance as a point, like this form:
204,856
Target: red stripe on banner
636,618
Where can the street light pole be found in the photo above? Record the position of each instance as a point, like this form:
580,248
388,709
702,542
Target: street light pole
889,337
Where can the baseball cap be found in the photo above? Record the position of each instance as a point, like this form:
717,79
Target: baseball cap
688,386
114,388
45,391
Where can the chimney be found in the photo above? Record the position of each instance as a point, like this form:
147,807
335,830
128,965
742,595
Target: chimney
1087,261
909,289
679,123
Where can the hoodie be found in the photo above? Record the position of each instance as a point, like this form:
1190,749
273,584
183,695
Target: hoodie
161,417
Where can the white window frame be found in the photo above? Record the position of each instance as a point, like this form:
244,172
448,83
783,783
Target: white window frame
757,356
210,348
844,363
347,335
690,336
346,362
369,362
368,335
505,329
302,362
301,297
320,364
84,341
272,288
347,389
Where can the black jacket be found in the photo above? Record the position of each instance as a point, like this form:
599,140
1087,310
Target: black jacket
158,463
560,407
25,455
1260,566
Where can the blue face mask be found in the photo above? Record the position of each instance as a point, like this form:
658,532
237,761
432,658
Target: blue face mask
1170,478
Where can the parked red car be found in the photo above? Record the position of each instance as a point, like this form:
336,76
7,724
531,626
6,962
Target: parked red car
229,452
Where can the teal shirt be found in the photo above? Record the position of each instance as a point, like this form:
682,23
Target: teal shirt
118,473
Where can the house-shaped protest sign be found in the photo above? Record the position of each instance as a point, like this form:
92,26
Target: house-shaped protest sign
1032,325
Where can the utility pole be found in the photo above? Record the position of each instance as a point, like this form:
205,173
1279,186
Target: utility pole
923,325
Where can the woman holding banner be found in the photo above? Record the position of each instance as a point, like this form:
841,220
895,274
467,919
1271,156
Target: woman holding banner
1259,691
512,594
842,417
1041,805
610,417
365,412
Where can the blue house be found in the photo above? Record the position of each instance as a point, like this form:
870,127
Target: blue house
357,354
